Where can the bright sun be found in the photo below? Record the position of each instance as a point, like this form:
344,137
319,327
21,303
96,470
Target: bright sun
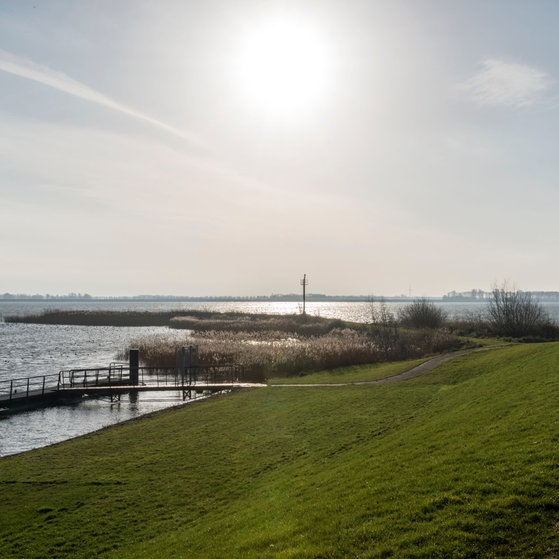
282,67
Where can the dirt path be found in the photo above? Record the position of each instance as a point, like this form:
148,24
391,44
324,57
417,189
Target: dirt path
415,372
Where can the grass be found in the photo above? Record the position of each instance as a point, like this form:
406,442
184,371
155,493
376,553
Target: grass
460,463
352,373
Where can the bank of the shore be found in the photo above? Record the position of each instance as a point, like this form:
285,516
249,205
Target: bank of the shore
459,462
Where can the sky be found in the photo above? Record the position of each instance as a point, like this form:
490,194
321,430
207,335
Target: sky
227,148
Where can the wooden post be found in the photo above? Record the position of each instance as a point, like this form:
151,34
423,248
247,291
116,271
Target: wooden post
134,367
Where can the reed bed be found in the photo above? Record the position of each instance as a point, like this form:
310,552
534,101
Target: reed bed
187,319
300,324
97,318
268,354
265,345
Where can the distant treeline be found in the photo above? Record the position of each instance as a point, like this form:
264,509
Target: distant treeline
476,295
288,297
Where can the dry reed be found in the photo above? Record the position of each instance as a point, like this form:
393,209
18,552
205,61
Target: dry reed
273,353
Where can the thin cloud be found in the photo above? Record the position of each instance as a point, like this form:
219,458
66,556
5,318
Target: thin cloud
508,84
30,70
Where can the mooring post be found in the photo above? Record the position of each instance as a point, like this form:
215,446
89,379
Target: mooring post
192,363
134,356
181,364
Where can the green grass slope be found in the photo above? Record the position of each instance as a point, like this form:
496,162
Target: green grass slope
462,462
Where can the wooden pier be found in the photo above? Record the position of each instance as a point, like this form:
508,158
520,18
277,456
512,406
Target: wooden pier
72,385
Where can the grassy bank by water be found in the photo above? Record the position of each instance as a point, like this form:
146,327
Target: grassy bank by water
461,462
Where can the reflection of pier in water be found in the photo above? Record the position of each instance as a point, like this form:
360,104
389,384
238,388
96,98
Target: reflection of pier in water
70,386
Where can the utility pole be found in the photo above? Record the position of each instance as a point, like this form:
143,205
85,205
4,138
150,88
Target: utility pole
304,283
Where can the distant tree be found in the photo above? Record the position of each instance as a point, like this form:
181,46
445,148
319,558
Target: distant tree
422,313
515,313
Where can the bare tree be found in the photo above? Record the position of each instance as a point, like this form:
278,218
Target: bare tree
383,326
515,313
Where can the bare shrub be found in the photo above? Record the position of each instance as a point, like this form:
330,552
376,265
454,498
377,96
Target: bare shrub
471,324
422,314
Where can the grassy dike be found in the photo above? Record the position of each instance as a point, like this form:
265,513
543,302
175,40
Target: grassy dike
461,462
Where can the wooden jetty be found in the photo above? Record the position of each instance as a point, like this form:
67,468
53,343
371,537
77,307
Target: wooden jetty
72,385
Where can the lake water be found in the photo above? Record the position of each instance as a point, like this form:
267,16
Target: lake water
32,349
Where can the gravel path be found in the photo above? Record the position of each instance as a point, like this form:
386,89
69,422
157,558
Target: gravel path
415,372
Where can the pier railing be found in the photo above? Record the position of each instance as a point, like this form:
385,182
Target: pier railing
29,386
189,377
119,375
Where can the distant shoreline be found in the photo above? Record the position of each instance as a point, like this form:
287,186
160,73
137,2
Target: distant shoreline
541,296
224,298
290,298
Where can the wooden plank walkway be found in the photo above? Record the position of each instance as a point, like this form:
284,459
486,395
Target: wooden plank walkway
154,388
203,387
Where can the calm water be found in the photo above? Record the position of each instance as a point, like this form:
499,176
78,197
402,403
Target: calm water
31,349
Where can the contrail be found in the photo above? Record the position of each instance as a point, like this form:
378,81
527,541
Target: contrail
23,68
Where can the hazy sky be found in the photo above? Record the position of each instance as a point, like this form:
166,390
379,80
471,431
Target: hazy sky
229,147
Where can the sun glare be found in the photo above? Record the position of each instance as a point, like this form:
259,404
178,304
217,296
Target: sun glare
282,67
